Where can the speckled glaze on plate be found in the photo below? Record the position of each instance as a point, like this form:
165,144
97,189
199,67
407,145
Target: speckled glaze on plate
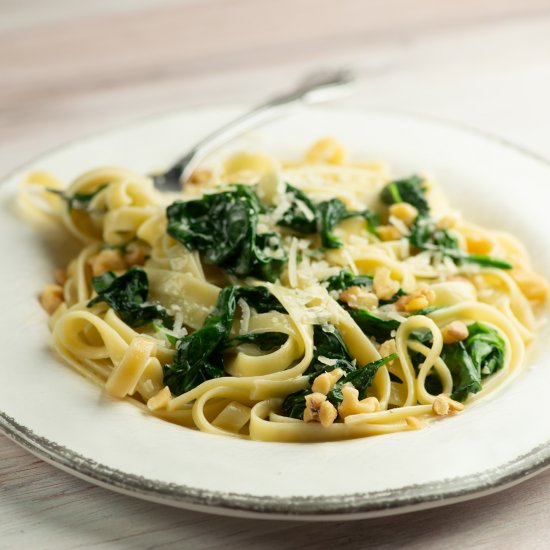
69,422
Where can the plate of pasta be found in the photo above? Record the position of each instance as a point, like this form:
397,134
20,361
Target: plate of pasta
315,327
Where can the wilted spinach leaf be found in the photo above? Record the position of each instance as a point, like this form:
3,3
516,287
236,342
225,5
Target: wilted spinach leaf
346,279
425,235
466,377
411,190
295,404
328,343
260,299
266,341
368,322
305,217
199,355
78,201
127,295
486,347
360,378
301,215
223,228
330,213
469,361
372,325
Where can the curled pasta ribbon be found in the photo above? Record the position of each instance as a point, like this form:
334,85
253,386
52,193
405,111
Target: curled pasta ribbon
120,202
326,150
244,364
126,374
256,167
514,305
230,416
87,336
35,197
407,374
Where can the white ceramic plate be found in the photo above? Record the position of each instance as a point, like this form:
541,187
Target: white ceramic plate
66,420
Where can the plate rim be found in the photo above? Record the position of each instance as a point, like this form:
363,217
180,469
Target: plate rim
346,506
338,507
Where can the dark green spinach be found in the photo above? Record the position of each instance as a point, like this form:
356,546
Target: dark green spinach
368,322
328,343
371,325
346,279
223,228
295,404
79,201
411,190
200,355
425,235
266,341
301,214
330,213
127,295
470,361
360,378
259,298
486,348
306,218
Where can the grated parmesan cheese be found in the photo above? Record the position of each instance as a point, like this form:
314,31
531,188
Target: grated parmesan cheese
327,360
292,263
245,320
306,211
400,225
350,261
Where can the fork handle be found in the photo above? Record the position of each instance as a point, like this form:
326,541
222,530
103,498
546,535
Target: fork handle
313,89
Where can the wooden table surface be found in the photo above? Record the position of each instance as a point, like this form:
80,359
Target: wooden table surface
71,68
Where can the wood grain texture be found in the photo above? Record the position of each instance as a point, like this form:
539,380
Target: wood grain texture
66,71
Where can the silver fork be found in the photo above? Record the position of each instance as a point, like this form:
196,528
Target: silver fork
315,88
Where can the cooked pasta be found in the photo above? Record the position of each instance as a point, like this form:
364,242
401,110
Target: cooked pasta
313,300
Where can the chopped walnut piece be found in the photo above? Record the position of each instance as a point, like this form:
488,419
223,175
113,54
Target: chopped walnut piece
533,285
60,276
318,409
447,222
388,233
327,414
443,405
351,404
478,244
358,298
456,331
404,211
51,298
440,406
136,256
107,260
383,285
313,406
324,382
421,298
